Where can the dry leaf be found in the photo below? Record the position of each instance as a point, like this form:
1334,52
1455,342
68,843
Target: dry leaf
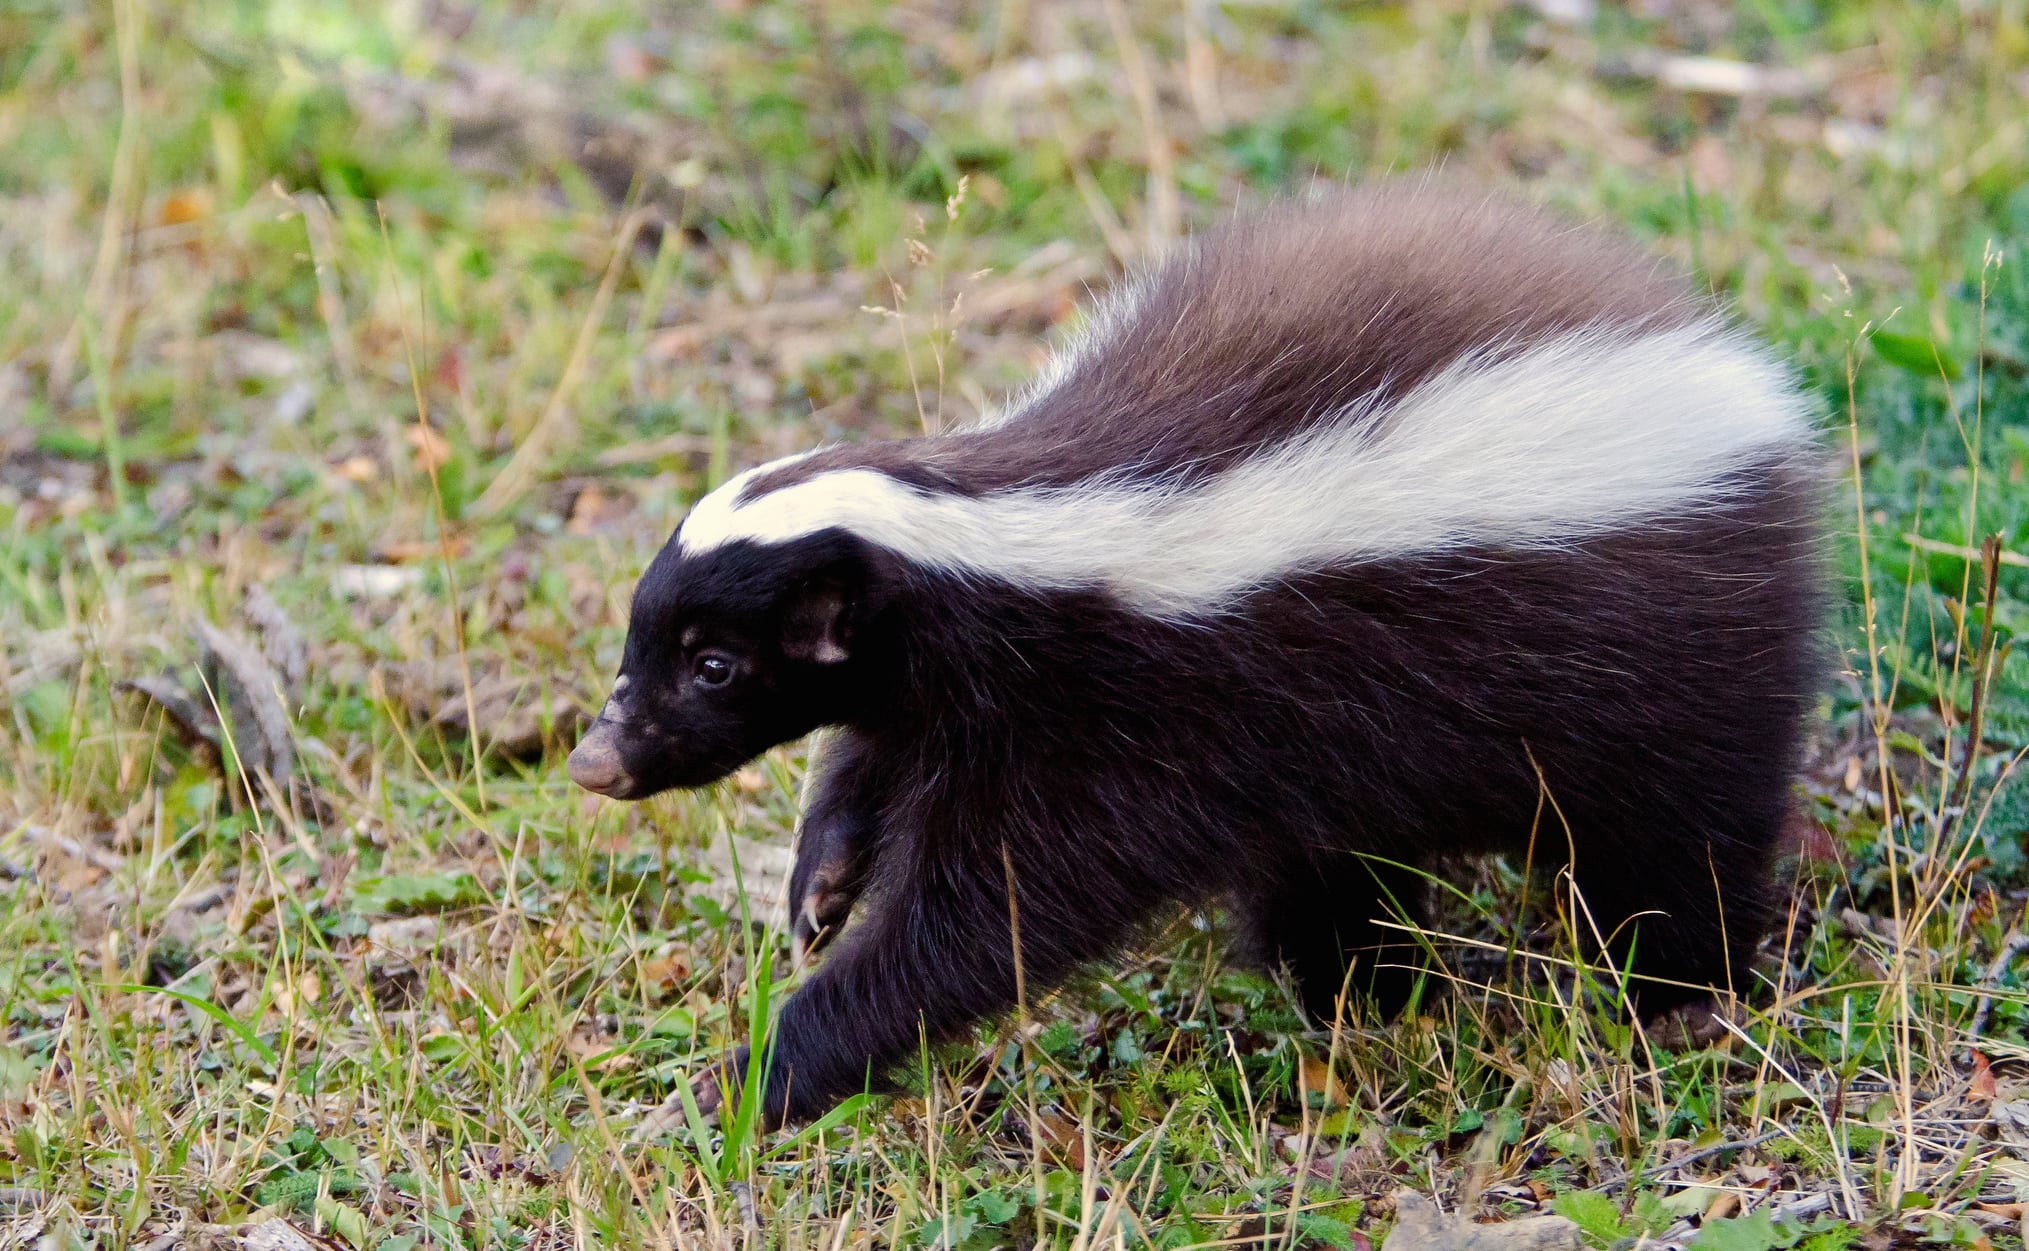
595,1051
281,642
2011,1121
1810,841
253,696
402,551
241,700
1981,1084
519,712
283,1236
664,973
588,508
431,448
373,581
291,996
1318,1081
406,936
1419,1226
1342,1166
1060,1138
180,208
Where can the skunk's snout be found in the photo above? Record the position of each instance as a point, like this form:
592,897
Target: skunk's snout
595,762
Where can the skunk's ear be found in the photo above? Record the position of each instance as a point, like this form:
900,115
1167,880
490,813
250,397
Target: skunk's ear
815,629
834,609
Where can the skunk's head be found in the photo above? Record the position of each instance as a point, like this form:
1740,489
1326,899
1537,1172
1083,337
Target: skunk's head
731,650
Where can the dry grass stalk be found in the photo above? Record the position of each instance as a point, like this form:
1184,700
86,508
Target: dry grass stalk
553,428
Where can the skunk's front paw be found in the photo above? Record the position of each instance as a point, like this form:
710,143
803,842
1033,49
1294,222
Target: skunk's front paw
829,877
718,1089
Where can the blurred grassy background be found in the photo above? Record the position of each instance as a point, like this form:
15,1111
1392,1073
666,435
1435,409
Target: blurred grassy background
366,352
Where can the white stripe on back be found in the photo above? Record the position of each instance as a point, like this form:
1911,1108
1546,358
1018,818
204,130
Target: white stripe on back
1586,434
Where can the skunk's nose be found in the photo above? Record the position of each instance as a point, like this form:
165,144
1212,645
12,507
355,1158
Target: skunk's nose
595,763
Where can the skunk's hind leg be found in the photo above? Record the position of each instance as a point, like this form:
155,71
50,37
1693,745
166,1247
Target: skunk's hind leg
1333,922
1683,918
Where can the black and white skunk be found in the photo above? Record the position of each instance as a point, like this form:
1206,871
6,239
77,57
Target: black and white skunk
1380,527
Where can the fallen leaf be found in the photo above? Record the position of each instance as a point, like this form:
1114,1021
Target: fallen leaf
2011,1120
595,1051
1420,1226
374,581
282,644
585,510
291,996
240,701
180,208
253,696
282,1236
1060,1138
664,973
1341,1166
402,551
431,448
519,712
1319,1084
1981,1084
629,62
450,370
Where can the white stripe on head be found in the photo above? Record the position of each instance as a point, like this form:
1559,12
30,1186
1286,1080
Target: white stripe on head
1585,434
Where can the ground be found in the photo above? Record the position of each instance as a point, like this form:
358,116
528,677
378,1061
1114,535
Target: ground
366,353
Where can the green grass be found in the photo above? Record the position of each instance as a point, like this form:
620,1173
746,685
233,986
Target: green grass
288,285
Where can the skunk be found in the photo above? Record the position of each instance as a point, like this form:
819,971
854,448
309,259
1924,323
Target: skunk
1383,526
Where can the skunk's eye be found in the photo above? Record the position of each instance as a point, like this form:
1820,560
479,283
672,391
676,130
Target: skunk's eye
712,669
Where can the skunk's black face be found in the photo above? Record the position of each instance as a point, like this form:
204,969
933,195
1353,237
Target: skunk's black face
728,653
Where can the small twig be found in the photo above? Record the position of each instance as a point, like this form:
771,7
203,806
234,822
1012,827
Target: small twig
1201,68
1983,666
105,301
48,838
17,1197
1014,927
555,424
743,1196
1165,214
320,233
2011,946
1118,241
1703,1153
1921,544
1683,1231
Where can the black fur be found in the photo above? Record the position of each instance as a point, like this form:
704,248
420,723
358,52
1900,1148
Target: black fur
1630,705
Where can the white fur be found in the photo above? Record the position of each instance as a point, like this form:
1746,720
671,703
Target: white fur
1593,432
